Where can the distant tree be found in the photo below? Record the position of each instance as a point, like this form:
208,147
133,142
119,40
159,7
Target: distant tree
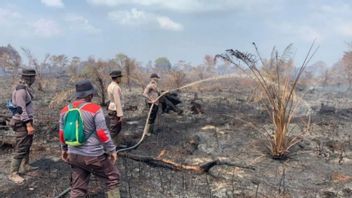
325,77
59,61
10,60
149,66
347,66
178,78
200,71
320,73
209,63
162,65
120,60
129,70
73,66
183,65
94,70
39,67
128,66
337,73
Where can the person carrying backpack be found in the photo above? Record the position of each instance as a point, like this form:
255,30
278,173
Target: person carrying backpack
86,143
22,123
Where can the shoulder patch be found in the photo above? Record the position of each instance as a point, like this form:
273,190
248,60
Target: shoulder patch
76,103
91,107
64,110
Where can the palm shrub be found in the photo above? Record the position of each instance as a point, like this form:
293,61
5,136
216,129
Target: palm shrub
278,83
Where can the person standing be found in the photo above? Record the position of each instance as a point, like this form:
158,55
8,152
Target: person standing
151,93
115,112
97,153
22,123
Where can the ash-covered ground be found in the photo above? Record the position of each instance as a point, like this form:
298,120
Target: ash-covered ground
319,166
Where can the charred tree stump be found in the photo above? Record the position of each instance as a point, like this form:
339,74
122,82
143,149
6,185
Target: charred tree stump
196,108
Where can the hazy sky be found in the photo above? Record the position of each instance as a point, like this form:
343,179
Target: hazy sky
178,29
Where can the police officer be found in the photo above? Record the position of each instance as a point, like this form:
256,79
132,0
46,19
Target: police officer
22,124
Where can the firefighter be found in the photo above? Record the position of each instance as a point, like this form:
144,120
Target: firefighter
22,123
97,154
151,93
115,112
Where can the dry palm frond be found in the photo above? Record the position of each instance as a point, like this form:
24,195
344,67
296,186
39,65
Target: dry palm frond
275,80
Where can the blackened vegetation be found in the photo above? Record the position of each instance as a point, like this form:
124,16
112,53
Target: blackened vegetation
169,102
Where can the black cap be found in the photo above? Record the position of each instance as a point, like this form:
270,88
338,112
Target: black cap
154,75
84,88
115,74
28,72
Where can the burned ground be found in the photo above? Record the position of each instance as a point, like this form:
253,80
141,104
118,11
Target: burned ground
319,166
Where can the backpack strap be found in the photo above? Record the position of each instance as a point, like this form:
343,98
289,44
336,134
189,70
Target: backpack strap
80,106
70,106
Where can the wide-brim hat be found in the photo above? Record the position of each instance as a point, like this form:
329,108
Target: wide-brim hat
154,75
85,88
28,72
115,74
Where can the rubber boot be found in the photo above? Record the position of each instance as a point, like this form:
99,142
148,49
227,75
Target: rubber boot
149,129
14,176
25,166
114,193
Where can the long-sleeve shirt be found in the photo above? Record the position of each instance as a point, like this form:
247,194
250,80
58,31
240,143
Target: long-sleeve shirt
151,91
115,95
22,97
93,118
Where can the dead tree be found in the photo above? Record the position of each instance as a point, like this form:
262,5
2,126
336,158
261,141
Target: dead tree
32,61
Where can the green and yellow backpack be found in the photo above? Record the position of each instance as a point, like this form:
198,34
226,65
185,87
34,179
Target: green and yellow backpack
73,126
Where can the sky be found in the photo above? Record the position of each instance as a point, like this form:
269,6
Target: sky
177,29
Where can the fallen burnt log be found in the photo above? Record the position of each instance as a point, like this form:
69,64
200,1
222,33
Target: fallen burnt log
7,140
5,137
4,119
326,109
5,116
169,164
